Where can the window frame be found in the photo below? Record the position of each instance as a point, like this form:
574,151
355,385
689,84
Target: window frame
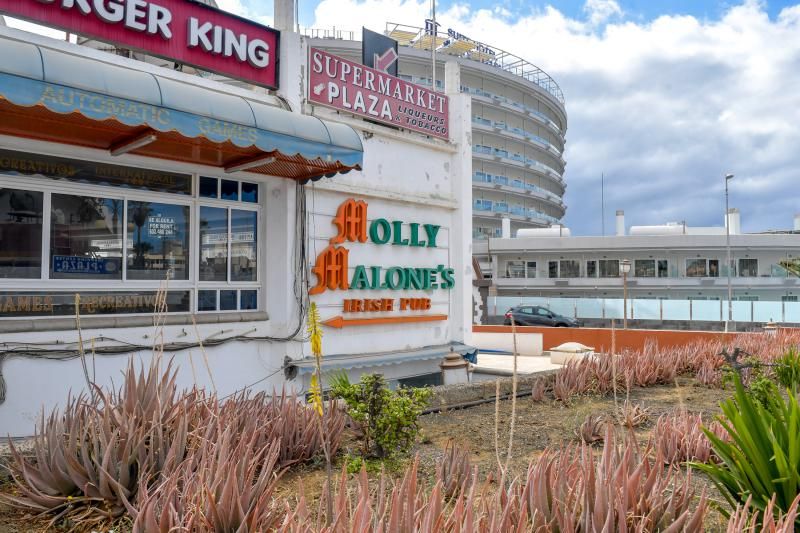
48,186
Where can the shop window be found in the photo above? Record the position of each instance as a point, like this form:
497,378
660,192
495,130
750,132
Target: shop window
591,269
248,300
748,268
213,243
21,233
250,192
229,190
570,268
644,268
158,241
609,268
85,237
244,239
209,187
515,269
530,269
93,173
206,300
227,300
663,268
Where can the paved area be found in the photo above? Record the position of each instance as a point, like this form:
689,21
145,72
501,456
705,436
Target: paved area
490,366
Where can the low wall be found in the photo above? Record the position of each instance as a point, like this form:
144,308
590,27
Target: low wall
527,343
600,338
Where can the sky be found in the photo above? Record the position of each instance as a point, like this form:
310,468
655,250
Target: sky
663,98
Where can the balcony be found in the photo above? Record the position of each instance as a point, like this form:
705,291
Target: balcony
489,181
488,208
494,126
516,160
507,104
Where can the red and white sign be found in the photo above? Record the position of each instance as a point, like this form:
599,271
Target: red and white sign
181,30
367,92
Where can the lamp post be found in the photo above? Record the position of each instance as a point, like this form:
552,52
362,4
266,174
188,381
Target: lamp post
625,265
728,177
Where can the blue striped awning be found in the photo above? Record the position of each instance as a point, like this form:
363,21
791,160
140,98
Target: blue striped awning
72,80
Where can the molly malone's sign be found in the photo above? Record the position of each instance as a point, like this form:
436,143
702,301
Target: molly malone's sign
333,270
347,86
181,30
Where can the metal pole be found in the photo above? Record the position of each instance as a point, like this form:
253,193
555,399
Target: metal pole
433,45
728,247
624,300
603,202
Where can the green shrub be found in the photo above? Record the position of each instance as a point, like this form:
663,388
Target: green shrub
787,369
762,457
388,419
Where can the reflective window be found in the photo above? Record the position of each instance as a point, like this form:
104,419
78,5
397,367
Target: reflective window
552,269
248,300
230,190
250,192
206,300
531,269
213,244
244,238
515,269
644,268
609,268
748,268
158,240
663,270
208,187
591,269
570,268
713,268
227,300
85,237
696,268
20,233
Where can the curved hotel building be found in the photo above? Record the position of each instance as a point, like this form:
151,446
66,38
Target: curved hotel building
519,122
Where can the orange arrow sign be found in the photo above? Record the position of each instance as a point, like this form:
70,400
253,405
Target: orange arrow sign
341,322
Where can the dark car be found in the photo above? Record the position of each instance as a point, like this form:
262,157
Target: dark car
534,315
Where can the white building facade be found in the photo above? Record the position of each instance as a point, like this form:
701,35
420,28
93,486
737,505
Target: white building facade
671,266
96,200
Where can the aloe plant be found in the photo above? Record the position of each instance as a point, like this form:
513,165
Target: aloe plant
761,461
679,437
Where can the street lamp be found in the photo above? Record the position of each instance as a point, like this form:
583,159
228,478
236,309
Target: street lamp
625,265
728,177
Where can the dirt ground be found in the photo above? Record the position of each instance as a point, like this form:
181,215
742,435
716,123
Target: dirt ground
538,426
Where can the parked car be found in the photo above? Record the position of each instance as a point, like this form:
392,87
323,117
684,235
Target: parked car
534,315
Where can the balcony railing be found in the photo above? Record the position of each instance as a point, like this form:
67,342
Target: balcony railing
503,208
519,131
652,309
485,177
519,158
423,38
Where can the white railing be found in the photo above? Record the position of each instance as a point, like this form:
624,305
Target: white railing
651,309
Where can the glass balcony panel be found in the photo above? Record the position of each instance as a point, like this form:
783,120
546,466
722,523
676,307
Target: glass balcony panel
675,309
708,310
614,307
563,306
645,309
791,312
741,311
590,307
767,311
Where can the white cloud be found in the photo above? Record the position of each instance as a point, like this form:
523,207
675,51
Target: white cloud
599,11
664,108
